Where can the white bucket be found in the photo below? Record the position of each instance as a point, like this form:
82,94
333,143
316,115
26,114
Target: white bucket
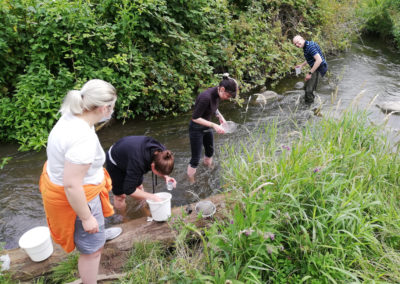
37,243
161,211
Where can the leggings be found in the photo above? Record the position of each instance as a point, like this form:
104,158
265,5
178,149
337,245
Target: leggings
200,136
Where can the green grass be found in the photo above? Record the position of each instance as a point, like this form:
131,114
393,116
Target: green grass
329,198
321,207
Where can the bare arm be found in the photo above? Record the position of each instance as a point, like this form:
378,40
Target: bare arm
302,64
220,117
317,63
73,187
141,194
207,123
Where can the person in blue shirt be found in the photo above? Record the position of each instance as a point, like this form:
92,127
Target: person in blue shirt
316,60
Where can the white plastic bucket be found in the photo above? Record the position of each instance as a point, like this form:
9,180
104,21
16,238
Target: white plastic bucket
161,211
37,243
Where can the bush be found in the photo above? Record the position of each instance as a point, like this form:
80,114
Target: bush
382,17
158,54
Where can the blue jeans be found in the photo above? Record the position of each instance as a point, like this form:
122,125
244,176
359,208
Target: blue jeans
200,136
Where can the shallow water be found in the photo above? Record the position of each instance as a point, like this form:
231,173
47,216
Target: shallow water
369,67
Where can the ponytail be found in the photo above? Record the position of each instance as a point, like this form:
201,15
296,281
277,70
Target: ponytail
94,93
163,161
230,85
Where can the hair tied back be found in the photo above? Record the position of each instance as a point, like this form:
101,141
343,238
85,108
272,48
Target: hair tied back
225,76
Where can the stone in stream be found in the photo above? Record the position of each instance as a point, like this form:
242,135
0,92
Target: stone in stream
268,97
390,107
299,85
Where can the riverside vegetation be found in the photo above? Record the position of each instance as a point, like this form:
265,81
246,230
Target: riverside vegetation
158,54
320,207
316,205
382,17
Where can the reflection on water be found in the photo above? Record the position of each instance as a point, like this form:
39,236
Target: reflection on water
370,67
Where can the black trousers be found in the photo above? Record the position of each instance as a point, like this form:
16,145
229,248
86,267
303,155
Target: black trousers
200,136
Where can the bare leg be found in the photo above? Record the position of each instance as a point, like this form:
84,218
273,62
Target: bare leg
190,173
119,202
88,267
208,161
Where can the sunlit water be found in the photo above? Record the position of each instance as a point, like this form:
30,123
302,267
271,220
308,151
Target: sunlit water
369,67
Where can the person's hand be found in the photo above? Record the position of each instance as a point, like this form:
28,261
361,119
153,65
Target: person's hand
308,77
218,129
170,179
119,201
90,225
155,198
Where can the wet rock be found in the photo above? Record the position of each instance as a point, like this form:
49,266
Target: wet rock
268,97
189,209
317,111
390,107
299,85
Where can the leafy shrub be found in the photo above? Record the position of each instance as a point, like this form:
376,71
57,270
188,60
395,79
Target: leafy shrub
382,17
158,54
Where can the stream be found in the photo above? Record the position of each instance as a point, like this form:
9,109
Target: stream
370,67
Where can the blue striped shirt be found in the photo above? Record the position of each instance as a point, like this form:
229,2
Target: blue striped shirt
310,49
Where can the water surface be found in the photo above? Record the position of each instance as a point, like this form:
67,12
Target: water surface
370,67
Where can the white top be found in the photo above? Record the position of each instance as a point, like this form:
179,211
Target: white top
72,139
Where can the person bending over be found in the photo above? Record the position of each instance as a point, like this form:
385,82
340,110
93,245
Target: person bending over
129,159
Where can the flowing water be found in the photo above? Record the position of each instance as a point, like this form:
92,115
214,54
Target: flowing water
369,67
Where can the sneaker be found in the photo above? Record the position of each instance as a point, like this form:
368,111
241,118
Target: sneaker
112,233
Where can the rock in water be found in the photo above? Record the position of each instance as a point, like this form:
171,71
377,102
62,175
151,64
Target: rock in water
390,107
268,97
299,85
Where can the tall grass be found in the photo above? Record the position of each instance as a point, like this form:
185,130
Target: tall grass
322,208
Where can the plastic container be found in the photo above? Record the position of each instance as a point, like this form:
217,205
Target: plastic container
298,70
170,185
37,243
206,208
229,126
160,211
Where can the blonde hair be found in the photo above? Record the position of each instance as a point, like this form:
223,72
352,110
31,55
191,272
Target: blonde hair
94,93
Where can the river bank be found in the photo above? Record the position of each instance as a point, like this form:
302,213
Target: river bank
316,204
369,66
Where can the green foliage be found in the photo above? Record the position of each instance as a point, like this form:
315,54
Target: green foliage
66,271
158,54
382,17
320,209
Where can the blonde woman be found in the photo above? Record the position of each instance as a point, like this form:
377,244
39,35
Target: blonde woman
74,185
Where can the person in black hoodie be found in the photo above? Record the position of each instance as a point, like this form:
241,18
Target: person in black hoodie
201,127
129,159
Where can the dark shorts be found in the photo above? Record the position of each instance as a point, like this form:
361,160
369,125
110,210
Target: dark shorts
89,243
200,136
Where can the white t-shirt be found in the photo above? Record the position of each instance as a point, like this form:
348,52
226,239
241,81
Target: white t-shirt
74,140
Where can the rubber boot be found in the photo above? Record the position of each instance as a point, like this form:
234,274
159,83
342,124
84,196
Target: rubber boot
309,97
190,173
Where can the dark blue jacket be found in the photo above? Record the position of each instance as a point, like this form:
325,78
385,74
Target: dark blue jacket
134,155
